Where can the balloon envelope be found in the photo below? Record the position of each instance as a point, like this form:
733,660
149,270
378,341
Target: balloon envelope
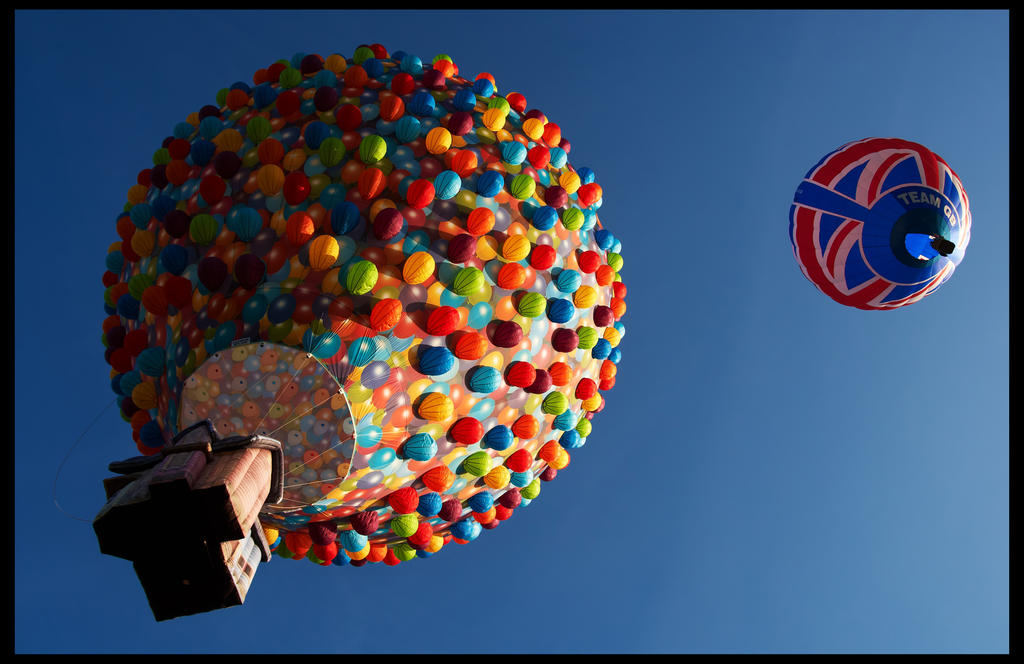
879,223
364,327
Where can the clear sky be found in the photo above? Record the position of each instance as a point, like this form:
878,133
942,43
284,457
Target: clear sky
773,472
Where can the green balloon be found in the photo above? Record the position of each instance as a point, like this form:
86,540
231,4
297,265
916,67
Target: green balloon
139,283
372,149
161,156
222,97
531,305
477,463
361,277
531,490
204,228
251,158
279,331
572,219
523,186
290,77
404,525
467,281
587,336
403,551
583,427
332,151
499,102
258,128
362,54
554,403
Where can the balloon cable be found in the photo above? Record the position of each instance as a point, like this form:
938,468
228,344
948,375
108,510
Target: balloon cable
56,475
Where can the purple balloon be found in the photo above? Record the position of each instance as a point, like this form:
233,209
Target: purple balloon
461,248
249,270
212,272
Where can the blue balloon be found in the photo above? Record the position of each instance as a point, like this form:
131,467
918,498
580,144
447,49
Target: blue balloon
601,349
350,540
570,439
254,308
604,239
281,308
513,152
115,260
447,184
489,184
559,310
151,361
140,215
411,64
430,504
568,281
435,360
564,421
315,133
466,530
210,126
483,379
263,95
202,151
521,479
344,217
150,434
422,104
128,307
224,335
483,87
183,130
407,129
544,218
498,438
248,223
162,205
481,502
419,447
464,100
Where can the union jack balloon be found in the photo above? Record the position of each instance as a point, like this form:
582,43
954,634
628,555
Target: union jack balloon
879,223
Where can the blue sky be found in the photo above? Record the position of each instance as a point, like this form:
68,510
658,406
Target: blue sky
773,472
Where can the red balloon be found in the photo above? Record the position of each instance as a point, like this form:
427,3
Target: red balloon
542,257
466,431
442,321
420,193
296,187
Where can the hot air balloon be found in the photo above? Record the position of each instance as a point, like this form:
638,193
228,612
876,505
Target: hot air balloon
879,223
349,321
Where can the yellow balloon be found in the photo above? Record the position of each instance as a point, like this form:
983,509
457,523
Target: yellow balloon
494,119
434,292
418,267
498,477
486,248
416,388
613,336
323,252
585,297
534,128
137,194
438,140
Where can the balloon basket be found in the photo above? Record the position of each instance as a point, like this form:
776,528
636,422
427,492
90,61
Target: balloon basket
188,518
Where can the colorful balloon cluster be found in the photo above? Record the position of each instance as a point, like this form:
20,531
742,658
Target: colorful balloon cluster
389,268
